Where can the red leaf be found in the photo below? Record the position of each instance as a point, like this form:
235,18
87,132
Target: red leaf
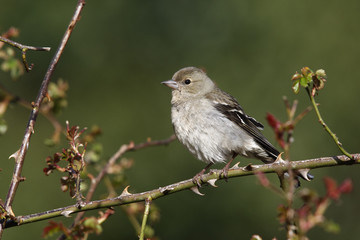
331,188
263,179
273,122
346,186
52,228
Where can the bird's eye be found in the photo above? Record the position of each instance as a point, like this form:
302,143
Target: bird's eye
187,81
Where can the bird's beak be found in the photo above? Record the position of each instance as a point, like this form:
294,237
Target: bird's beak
171,84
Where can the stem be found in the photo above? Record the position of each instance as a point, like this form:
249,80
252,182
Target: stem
327,129
19,155
146,214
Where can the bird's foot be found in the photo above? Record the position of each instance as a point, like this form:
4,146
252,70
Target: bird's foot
197,179
225,172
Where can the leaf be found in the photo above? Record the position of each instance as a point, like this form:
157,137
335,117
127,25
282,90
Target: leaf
346,186
296,87
52,229
304,82
264,181
273,121
319,79
93,224
331,226
255,237
3,126
331,188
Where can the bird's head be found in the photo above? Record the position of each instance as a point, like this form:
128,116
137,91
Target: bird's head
190,82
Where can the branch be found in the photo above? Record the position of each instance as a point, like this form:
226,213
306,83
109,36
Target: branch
211,177
19,155
122,150
23,49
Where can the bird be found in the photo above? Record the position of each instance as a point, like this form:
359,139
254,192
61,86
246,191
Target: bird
212,125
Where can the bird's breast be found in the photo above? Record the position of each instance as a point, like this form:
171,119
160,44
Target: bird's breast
207,133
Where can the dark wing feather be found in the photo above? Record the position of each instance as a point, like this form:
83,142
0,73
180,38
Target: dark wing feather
232,110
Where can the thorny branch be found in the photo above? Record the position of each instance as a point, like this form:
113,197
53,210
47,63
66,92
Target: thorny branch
211,178
23,49
119,153
19,155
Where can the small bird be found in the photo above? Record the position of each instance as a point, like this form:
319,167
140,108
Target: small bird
211,123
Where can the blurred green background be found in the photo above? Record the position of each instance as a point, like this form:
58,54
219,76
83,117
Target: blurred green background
117,56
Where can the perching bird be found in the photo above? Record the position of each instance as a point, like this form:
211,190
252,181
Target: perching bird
212,124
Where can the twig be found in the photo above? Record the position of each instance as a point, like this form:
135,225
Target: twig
146,214
122,150
23,49
47,114
186,184
327,129
19,155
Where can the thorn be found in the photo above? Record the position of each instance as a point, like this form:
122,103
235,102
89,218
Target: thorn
14,155
22,179
304,173
236,166
66,213
212,182
125,192
48,96
131,145
195,189
279,158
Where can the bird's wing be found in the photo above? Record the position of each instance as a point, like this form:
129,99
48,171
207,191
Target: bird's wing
228,106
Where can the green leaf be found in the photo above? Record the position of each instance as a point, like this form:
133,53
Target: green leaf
304,81
296,87
3,126
331,226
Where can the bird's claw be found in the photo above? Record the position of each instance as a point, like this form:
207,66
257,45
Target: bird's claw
197,179
225,173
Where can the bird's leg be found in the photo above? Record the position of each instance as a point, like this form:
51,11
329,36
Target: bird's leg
197,179
225,170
